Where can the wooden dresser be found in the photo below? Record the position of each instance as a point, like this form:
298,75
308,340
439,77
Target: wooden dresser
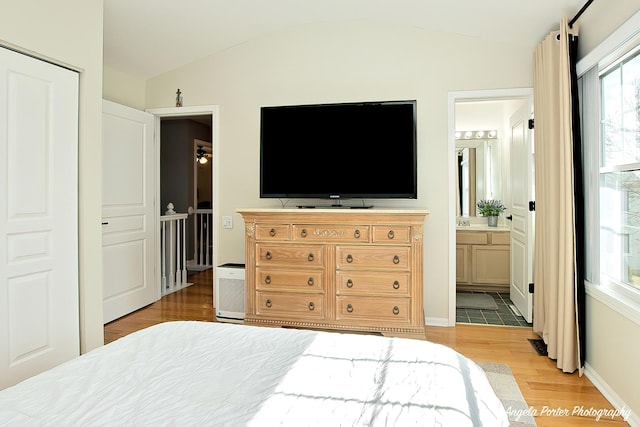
349,269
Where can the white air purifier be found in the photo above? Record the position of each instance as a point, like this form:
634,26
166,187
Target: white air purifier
229,293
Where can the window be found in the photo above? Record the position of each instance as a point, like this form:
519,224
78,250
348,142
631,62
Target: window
620,171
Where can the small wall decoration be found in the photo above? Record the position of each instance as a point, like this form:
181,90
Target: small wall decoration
178,98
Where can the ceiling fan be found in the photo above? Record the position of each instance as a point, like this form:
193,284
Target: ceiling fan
202,157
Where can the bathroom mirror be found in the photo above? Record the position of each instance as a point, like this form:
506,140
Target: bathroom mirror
479,173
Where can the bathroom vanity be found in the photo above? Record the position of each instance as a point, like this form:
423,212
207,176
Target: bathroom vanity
483,258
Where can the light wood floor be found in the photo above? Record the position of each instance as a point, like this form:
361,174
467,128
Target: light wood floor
544,387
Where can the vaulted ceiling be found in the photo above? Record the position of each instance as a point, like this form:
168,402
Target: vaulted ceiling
145,38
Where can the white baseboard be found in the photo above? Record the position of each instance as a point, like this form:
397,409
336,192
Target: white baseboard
436,321
633,419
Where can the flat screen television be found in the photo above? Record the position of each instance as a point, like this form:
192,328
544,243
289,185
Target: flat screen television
357,150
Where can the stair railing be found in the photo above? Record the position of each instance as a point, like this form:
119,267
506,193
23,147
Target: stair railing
173,254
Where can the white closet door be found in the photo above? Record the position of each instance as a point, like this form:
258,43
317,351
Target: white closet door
39,325
130,229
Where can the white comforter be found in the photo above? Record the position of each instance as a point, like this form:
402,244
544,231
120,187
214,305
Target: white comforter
213,374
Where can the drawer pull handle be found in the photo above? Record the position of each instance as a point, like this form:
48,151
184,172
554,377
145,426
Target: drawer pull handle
312,306
310,257
349,308
349,258
272,232
268,255
303,232
396,284
310,281
356,234
267,280
391,234
349,283
396,310
268,303
396,259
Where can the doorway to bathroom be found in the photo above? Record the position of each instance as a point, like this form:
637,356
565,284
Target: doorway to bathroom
490,146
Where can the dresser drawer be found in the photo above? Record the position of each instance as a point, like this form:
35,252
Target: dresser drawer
372,257
373,308
289,304
273,232
289,280
331,233
289,255
370,283
391,234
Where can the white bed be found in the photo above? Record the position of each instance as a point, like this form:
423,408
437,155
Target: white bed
200,373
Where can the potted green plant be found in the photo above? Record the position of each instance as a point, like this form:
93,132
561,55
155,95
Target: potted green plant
491,209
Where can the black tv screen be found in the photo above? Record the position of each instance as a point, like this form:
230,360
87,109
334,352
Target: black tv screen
339,151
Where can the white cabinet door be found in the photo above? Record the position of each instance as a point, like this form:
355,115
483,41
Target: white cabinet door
39,325
129,221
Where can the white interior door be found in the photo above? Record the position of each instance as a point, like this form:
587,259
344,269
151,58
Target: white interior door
128,210
39,325
522,232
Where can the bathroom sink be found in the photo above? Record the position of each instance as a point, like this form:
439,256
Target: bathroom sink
483,227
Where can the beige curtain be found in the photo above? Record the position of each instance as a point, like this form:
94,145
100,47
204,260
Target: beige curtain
554,316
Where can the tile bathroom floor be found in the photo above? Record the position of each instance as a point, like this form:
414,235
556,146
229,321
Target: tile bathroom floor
504,315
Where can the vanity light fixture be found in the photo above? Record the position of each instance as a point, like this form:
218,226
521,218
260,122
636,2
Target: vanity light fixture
477,134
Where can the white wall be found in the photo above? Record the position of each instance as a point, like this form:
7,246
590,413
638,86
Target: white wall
53,31
600,20
122,88
336,63
612,352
